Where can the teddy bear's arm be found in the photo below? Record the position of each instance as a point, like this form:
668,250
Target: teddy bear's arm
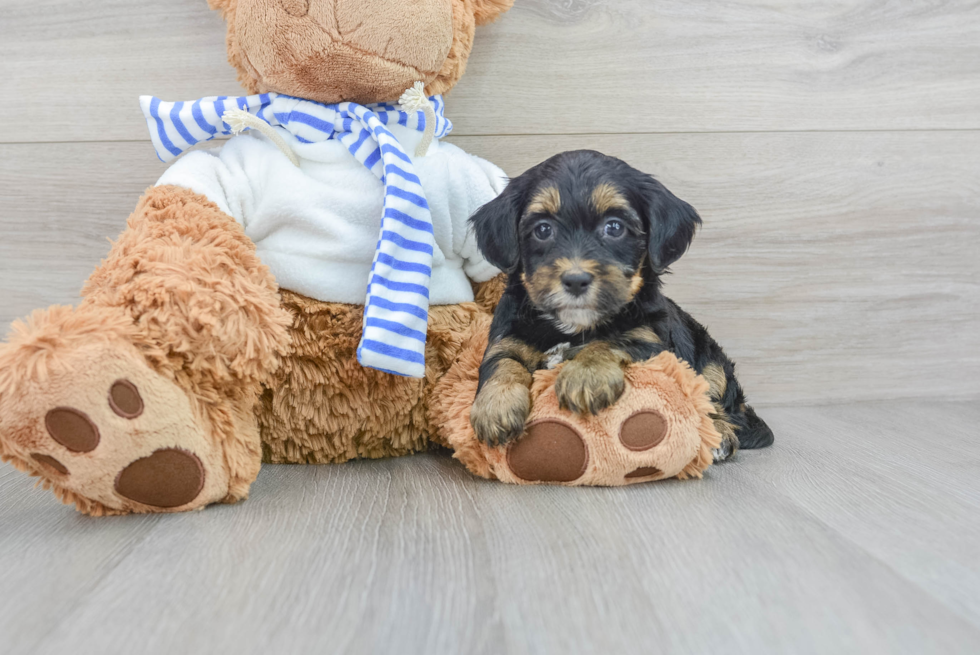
487,11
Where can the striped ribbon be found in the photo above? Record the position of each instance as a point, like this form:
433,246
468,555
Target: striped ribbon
397,303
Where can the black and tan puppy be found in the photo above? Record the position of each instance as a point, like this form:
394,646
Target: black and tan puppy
585,238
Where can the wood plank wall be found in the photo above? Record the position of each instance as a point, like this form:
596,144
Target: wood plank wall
833,149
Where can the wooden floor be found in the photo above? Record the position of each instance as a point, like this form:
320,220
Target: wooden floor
833,150
858,532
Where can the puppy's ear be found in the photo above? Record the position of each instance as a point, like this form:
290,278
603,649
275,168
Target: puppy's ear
495,225
672,223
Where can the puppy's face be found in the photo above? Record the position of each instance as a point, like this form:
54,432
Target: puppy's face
582,246
585,232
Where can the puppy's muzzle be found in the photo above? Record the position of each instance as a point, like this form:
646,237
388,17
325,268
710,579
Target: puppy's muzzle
576,283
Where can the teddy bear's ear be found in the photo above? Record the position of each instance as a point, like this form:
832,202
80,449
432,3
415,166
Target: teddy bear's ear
224,6
235,56
487,11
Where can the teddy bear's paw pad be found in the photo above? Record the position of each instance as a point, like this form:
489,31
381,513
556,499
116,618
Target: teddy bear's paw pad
103,427
550,451
168,478
644,472
125,399
643,430
73,429
50,463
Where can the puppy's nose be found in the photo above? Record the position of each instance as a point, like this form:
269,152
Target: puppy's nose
576,283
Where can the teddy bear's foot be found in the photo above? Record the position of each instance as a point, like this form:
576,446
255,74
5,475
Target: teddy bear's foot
81,408
554,450
622,445
660,427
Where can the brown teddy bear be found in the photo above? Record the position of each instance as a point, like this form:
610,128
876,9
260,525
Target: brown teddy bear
228,324
189,361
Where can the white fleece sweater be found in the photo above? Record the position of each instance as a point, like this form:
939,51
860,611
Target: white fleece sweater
317,225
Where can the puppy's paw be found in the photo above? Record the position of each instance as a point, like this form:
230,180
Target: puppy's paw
727,447
589,386
500,412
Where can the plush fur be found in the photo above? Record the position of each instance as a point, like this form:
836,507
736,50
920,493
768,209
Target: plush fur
356,50
227,368
663,385
183,308
586,238
323,407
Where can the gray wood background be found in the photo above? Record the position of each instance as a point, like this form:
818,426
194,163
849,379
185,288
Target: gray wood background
833,149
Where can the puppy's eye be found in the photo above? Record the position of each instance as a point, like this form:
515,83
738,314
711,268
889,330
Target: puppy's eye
614,228
543,231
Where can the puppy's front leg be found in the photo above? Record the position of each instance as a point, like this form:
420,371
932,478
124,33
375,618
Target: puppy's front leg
592,379
503,399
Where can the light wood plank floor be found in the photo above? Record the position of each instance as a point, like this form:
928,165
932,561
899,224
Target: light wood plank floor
858,532
832,149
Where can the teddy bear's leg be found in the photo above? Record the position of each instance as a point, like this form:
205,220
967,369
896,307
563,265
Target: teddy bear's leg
661,427
143,398
324,407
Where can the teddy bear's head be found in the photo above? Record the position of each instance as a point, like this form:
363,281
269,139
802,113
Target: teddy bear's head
352,50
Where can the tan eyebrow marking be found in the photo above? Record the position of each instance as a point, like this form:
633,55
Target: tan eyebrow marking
545,201
606,197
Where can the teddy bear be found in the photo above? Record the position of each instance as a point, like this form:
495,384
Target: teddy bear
229,323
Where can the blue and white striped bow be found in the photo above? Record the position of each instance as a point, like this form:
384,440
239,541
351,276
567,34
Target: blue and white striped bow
396,309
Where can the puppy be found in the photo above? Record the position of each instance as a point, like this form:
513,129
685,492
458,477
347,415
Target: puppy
585,239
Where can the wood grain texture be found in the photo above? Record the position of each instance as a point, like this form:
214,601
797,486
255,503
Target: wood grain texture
60,204
554,66
831,266
78,67
841,538
832,149
899,481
